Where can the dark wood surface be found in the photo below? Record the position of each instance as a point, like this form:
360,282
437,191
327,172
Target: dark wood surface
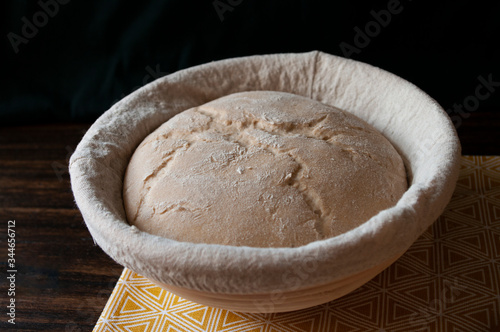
63,279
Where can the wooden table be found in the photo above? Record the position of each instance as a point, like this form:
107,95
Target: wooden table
63,279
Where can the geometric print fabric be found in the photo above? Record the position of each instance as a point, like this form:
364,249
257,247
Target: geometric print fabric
448,280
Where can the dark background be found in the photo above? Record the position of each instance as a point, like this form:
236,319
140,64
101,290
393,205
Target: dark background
86,55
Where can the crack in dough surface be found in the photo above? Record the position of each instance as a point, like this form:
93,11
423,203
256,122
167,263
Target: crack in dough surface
262,169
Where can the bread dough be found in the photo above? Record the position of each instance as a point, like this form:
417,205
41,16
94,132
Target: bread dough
261,169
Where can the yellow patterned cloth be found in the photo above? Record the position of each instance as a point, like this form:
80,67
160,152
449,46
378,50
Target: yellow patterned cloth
449,280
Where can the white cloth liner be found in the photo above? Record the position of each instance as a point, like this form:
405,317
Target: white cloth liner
410,119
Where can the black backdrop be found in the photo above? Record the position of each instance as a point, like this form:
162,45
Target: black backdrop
70,60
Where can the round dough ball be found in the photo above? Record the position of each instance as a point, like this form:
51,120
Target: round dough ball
261,169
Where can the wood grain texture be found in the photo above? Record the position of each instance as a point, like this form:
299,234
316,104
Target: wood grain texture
64,279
